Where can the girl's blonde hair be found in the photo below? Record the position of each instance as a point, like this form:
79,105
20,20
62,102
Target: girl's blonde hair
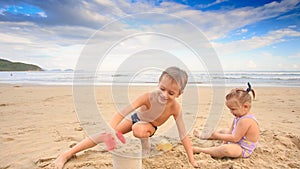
241,95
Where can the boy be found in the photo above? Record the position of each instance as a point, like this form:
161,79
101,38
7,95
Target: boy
151,110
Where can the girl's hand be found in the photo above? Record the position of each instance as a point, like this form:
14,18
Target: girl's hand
196,133
205,135
213,135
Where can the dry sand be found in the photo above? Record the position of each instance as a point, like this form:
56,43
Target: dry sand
39,122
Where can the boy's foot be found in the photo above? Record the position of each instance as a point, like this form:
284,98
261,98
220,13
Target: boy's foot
59,162
145,146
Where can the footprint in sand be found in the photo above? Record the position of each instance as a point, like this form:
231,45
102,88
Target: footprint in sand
5,104
294,165
5,167
289,140
44,162
78,129
295,139
6,139
287,121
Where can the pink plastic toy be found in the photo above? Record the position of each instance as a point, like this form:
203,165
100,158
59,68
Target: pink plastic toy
121,137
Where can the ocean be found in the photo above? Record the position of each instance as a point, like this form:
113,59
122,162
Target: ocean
199,78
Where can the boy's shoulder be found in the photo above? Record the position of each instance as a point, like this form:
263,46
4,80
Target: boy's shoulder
175,107
145,95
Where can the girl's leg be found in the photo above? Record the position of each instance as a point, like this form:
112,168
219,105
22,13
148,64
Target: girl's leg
226,150
197,133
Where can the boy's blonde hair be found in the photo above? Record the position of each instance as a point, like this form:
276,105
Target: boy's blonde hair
177,74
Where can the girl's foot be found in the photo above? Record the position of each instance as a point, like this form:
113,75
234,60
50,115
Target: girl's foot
197,150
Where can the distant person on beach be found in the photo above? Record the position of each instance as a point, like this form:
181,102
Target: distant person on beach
242,137
145,114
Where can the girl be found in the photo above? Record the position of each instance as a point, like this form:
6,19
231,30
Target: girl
242,138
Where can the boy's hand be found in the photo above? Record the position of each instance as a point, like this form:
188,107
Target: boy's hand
195,164
109,141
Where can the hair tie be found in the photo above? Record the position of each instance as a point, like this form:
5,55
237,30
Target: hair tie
249,87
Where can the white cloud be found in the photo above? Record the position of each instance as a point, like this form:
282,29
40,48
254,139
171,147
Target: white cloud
255,42
216,24
42,14
59,39
251,64
268,61
244,30
12,39
211,4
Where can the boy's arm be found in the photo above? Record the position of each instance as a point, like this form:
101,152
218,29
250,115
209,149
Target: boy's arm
189,150
119,116
185,138
116,119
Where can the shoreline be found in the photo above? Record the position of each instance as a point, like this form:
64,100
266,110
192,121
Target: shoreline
150,85
200,78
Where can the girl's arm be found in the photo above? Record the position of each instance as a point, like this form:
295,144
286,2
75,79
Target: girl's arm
229,131
240,131
231,127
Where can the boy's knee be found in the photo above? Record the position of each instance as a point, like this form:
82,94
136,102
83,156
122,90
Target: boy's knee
140,131
136,130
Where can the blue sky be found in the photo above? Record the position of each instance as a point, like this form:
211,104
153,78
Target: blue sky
246,35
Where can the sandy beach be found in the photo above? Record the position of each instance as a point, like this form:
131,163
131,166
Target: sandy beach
39,122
